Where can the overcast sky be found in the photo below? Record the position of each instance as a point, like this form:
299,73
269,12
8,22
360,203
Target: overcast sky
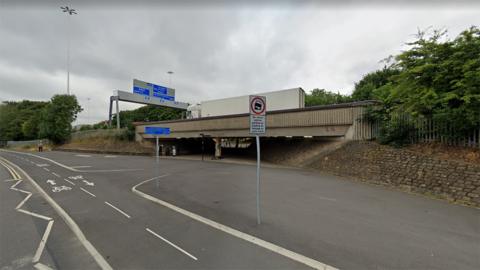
215,50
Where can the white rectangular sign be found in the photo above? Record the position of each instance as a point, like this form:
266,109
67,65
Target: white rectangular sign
257,108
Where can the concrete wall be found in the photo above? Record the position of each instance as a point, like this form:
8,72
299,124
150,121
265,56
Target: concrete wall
370,162
343,120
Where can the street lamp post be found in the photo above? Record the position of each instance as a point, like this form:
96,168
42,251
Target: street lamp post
170,78
69,11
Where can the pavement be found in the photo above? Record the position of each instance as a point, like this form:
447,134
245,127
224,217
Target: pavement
136,212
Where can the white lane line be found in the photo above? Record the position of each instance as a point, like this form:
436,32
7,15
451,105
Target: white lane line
249,238
69,181
43,242
9,180
43,165
34,214
70,222
120,211
68,167
78,167
56,174
83,155
172,244
109,156
46,169
88,192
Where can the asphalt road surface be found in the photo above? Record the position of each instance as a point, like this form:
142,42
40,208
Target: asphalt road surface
91,211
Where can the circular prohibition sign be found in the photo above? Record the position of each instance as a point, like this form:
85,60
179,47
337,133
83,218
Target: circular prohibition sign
257,101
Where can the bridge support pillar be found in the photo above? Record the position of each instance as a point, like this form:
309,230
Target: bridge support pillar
218,148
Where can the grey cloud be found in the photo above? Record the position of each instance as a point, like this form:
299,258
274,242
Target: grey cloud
215,50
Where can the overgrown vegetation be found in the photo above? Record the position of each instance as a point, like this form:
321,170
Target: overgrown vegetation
324,97
27,120
436,79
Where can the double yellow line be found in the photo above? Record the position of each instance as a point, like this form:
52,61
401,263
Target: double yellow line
10,169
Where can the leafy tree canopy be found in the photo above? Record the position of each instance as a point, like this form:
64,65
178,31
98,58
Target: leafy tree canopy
57,117
324,97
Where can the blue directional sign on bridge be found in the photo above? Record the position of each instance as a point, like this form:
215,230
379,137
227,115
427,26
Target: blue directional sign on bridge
157,130
153,90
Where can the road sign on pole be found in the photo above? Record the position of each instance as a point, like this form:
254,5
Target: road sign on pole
157,131
258,108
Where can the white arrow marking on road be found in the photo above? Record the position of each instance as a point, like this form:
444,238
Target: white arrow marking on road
88,183
76,177
61,188
51,182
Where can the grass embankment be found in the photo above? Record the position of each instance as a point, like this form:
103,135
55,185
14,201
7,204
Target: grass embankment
108,144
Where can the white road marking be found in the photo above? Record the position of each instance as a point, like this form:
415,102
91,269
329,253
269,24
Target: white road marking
81,155
61,188
249,238
51,182
109,156
69,181
41,266
43,165
34,214
56,174
120,211
68,167
172,244
88,192
78,167
46,169
38,253
43,242
88,183
70,222
9,180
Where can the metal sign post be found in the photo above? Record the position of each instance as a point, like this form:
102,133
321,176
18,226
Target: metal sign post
157,131
258,107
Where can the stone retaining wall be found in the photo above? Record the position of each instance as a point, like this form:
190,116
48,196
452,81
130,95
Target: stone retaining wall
370,162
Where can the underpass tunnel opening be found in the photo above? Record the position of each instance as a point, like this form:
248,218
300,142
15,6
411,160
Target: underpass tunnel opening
282,150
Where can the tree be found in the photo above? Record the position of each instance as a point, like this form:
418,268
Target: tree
375,85
14,117
324,97
57,117
147,113
441,79
436,78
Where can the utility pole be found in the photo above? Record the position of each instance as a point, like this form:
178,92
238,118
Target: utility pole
69,11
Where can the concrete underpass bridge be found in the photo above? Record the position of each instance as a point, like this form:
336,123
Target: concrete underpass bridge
343,121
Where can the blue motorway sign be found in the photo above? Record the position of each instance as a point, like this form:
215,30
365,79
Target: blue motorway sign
157,130
141,91
153,90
